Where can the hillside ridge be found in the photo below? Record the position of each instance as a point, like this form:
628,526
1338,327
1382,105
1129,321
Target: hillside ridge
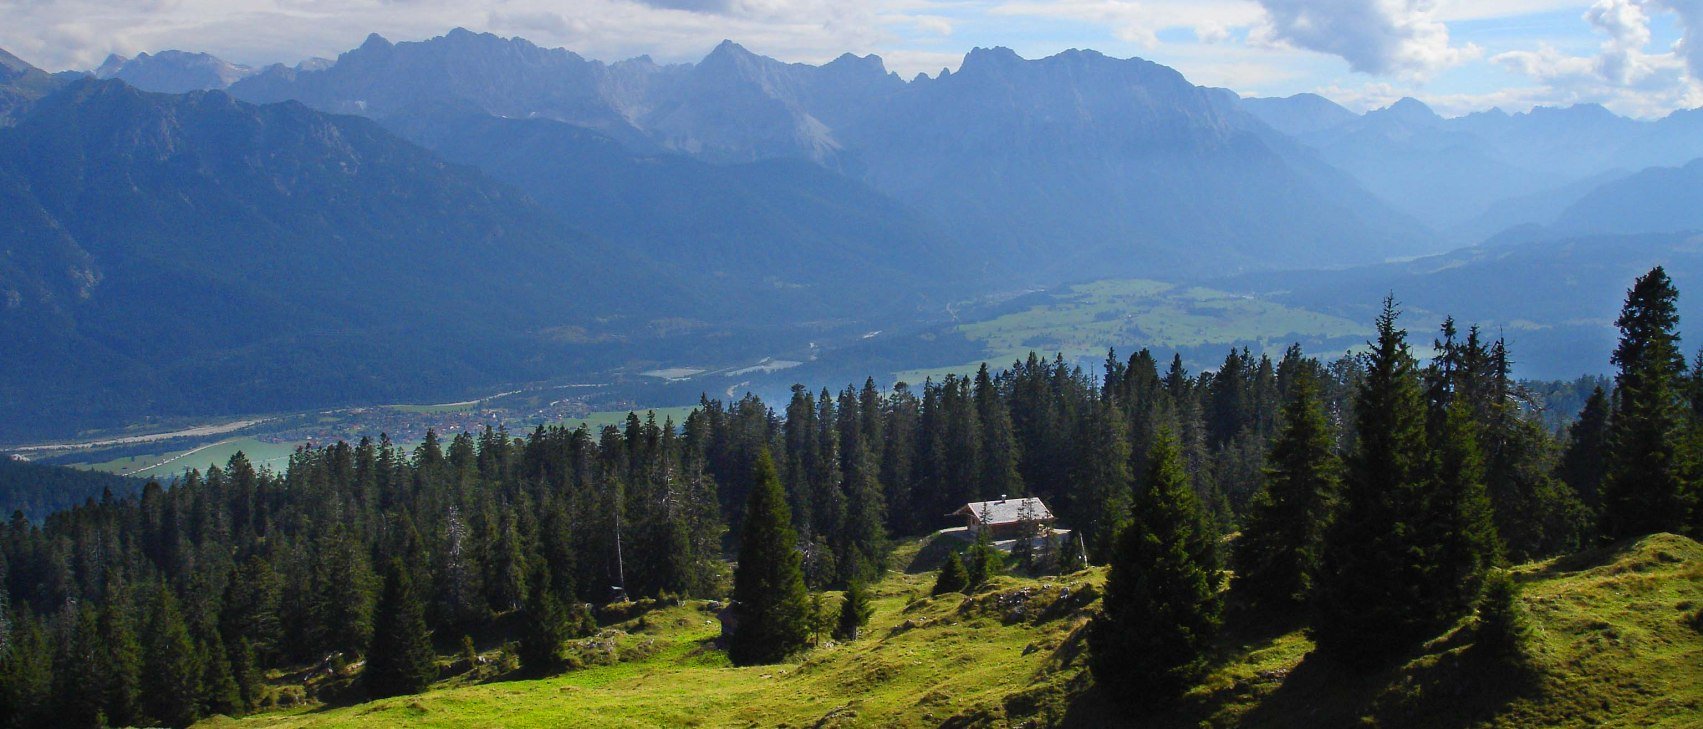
1619,638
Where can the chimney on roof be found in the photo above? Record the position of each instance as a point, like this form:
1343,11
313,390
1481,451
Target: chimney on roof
1002,498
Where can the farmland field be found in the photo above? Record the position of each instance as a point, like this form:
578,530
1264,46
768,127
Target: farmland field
1084,320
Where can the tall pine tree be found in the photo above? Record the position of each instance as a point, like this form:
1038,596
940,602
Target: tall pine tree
1370,596
771,606
1648,484
1162,605
401,660
1583,461
1457,531
1277,556
545,625
171,678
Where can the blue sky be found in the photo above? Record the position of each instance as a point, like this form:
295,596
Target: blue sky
1458,55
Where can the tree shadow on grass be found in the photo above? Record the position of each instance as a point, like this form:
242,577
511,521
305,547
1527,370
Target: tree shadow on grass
933,553
1586,560
1445,683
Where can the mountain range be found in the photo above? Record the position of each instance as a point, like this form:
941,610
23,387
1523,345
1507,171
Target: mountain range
1068,164
1471,176
187,236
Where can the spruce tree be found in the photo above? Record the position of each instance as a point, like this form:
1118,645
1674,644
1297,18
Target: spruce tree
26,675
952,577
1458,530
854,612
251,606
545,625
863,542
1071,558
1001,450
84,670
1503,630
1584,459
341,605
1537,513
220,692
982,561
1647,486
1028,529
245,671
1162,606
123,684
1276,558
401,660
505,571
770,603
171,679
822,619
1099,503
1370,596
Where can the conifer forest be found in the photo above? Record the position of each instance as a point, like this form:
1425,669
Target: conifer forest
1372,499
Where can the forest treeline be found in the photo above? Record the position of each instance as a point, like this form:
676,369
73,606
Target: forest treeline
38,490
171,605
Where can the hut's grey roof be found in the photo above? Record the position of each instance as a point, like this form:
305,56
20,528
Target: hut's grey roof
1007,511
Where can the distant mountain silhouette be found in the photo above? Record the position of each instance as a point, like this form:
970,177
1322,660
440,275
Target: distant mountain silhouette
173,72
1656,200
20,84
1061,167
1460,175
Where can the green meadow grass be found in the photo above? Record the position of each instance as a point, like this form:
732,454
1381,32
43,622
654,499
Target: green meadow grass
1617,643
1088,318
263,455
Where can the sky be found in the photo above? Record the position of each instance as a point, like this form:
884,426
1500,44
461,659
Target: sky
1641,58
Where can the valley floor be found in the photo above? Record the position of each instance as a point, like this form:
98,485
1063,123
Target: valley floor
1619,642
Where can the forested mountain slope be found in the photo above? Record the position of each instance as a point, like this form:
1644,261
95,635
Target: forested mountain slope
778,235
1656,200
37,490
195,254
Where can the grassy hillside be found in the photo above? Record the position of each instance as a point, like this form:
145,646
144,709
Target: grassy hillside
1619,642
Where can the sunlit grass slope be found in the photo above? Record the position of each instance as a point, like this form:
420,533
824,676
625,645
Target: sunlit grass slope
1618,642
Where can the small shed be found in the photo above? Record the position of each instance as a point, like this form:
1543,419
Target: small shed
1006,518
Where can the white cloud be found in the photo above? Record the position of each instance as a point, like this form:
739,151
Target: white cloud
1379,37
1624,74
1452,10
696,6
932,24
1690,47
1140,21
1628,29
1211,33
